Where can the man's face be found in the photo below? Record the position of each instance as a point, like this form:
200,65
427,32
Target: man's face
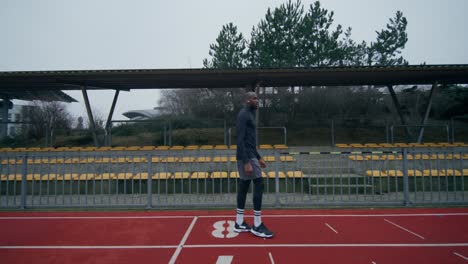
253,102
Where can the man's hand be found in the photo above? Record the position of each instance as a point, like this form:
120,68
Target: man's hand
262,163
248,168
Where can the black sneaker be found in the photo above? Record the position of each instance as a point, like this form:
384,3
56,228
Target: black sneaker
244,227
261,231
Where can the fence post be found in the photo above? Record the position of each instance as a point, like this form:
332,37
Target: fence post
277,191
406,201
149,202
23,181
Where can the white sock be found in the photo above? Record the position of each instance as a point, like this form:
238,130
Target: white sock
257,218
240,216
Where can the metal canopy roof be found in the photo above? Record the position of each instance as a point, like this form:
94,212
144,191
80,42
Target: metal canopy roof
214,78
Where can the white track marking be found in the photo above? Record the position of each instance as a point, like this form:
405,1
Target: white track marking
373,262
239,245
329,226
182,242
86,247
217,216
224,260
460,255
409,231
271,258
326,245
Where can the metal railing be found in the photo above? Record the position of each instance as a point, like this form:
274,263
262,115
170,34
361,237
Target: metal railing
208,178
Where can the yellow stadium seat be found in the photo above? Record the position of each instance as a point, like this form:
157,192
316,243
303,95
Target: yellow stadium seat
272,174
431,173
200,175
140,176
206,147
268,158
376,173
105,176
342,145
413,173
176,148
453,172
220,159
221,147
203,159
266,146
233,147
162,175
170,159
295,174
394,173
371,145
286,158
219,175
155,159
465,172
66,176
122,176
386,145
103,148
162,148
182,175
118,148
133,148
187,159
191,147
372,157
234,174
85,176
232,159
356,157
146,148
280,146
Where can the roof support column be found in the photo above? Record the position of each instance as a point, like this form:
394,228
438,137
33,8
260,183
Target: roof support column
90,116
4,124
426,115
400,112
109,118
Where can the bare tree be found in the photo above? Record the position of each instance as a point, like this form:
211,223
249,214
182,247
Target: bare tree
50,115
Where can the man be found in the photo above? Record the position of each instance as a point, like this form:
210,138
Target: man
249,164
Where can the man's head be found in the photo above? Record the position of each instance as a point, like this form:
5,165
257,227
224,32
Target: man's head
251,100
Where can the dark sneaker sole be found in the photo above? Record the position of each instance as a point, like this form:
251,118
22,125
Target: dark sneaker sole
238,230
260,234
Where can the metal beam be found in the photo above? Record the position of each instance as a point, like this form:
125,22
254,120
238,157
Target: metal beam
400,112
90,116
4,124
109,118
426,115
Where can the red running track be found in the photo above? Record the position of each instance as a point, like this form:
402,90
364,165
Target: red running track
301,236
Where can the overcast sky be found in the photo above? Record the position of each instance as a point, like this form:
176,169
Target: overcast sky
156,34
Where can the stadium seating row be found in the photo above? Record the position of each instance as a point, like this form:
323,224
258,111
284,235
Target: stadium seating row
91,160
410,157
403,145
137,148
412,173
144,176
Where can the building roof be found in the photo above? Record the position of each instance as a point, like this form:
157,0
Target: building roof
235,78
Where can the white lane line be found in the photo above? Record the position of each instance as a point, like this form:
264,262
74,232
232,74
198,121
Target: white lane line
460,255
329,226
373,262
409,231
224,260
239,245
218,216
182,242
86,247
326,245
271,258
